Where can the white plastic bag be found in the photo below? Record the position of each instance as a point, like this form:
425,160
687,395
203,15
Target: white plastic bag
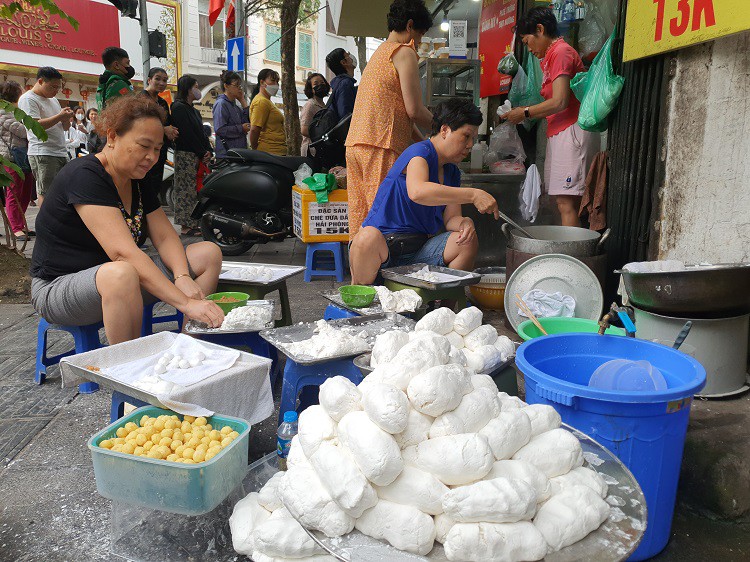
506,143
302,173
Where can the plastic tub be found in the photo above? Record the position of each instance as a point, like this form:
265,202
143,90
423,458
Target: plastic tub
189,489
646,430
242,299
528,330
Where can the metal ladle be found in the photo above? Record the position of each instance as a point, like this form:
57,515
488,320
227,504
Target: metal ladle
512,223
682,335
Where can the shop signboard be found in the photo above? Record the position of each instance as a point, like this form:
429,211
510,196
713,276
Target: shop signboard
496,23
35,31
657,26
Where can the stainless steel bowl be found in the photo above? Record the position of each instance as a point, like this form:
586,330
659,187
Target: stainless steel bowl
362,362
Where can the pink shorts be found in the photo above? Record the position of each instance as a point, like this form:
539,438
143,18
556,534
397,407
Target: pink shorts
569,157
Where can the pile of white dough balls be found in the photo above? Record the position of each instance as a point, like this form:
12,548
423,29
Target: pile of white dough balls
462,336
424,450
170,361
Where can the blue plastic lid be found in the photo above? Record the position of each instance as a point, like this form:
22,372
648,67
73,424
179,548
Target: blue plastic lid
625,375
290,416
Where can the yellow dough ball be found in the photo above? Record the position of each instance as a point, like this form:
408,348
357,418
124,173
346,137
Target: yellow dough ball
119,441
188,453
164,450
199,455
214,443
144,419
200,421
128,448
226,441
202,447
121,432
189,419
167,432
180,460
215,435
117,448
188,461
206,440
159,424
177,435
154,453
234,435
150,422
171,424
139,451
179,450
186,427
172,458
193,442
130,426
165,441
209,456
199,433
140,439
148,445
226,430
187,435
214,450
155,438
106,444
174,444
208,427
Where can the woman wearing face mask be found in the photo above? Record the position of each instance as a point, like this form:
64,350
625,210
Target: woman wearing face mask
231,122
191,147
342,64
316,88
75,135
389,104
266,121
87,265
156,84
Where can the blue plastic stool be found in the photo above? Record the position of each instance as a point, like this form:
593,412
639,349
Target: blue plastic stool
334,312
251,340
86,338
118,405
312,263
147,327
297,377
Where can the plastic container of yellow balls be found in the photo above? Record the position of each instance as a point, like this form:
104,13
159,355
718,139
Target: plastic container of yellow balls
162,460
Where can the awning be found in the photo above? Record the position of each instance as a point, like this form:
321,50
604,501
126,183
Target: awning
360,18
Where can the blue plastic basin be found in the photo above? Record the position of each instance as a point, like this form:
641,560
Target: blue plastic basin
646,430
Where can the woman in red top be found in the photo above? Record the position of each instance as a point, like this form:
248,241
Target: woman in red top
570,149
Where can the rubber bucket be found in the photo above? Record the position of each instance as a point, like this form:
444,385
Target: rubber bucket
646,430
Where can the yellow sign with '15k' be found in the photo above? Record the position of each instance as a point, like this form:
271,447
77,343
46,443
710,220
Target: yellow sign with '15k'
657,26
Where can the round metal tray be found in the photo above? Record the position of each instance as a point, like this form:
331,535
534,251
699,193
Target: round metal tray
615,540
552,273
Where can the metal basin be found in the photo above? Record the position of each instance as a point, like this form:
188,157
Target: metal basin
568,240
716,291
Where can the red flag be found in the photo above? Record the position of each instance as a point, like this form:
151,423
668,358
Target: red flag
214,9
229,25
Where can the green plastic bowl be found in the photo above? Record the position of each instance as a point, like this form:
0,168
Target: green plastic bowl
528,330
357,296
242,299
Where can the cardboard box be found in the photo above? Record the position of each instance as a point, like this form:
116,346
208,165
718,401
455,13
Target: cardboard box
314,222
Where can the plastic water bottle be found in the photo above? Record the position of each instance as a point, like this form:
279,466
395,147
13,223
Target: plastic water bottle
287,430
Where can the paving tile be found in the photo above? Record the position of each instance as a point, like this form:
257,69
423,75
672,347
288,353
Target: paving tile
16,434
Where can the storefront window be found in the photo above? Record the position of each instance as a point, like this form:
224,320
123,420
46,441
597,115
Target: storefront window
211,37
273,45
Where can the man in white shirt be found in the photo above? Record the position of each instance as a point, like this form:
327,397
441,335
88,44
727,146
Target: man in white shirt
46,157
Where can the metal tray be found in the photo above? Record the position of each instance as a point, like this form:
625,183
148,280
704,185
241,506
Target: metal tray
288,271
362,362
401,275
615,540
195,328
374,325
335,297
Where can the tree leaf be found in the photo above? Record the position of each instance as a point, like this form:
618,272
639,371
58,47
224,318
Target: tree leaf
49,6
12,165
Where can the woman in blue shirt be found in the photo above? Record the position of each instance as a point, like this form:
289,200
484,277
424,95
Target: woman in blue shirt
231,123
420,197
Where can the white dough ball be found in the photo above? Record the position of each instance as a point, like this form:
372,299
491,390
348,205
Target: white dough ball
483,335
527,472
505,346
486,381
457,357
569,516
387,407
490,357
509,402
443,525
421,354
184,364
167,356
554,452
456,340
473,412
439,321
403,526
162,361
375,451
467,320
455,460
160,368
439,389
315,426
283,537
580,476
387,346
481,542
474,361
500,500
268,495
392,373
338,396
543,418
507,432
417,488
417,429
247,515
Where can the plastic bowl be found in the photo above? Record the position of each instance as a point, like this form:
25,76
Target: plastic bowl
357,296
625,375
528,330
242,299
488,297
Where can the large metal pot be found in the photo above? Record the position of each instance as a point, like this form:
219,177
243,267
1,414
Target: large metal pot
568,240
716,291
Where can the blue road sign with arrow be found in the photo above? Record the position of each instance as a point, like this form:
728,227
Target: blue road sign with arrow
236,54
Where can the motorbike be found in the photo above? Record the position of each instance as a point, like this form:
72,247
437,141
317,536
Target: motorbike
247,199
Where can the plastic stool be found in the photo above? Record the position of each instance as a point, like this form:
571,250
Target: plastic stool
118,405
297,377
147,327
252,341
86,338
456,294
311,263
334,312
258,292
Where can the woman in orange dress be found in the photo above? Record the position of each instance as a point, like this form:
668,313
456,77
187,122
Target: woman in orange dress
389,104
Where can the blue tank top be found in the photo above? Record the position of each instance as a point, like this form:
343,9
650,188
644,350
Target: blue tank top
393,211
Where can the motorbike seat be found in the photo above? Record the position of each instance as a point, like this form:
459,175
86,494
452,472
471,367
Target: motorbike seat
249,156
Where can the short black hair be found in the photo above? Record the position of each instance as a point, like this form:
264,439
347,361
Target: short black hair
156,70
229,77
333,61
538,16
48,73
401,11
112,54
10,90
308,84
184,85
455,113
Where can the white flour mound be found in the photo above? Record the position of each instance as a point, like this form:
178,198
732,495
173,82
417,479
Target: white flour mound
406,300
329,342
425,275
254,273
247,318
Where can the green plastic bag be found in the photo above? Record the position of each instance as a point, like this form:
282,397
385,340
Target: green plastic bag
598,90
321,185
526,89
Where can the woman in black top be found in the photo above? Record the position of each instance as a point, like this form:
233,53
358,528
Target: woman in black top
87,266
191,147
155,85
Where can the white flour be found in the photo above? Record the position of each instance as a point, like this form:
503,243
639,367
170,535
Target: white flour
247,318
253,273
406,300
329,342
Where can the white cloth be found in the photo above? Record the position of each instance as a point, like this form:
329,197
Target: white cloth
654,266
547,305
530,192
40,107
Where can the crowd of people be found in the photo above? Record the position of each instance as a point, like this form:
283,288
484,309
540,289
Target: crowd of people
97,175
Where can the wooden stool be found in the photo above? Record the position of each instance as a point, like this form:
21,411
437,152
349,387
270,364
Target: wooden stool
259,292
456,294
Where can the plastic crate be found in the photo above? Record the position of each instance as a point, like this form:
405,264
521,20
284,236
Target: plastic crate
188,489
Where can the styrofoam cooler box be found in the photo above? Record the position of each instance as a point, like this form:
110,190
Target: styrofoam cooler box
320,222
